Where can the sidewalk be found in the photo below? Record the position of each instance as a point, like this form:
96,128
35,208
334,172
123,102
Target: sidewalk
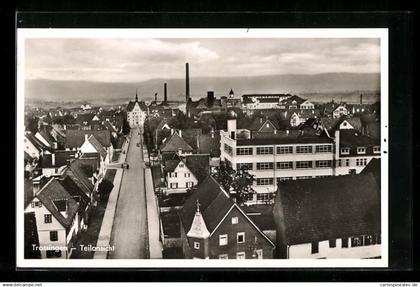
108,220
155,245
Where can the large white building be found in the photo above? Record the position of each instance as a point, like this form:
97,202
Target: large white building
294,154
136,113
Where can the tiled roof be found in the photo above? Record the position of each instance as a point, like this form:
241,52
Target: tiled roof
170,165
175,143
79,175
199,165
51,195
289,100
209,145
355,122
76,192
97,145
132,104
84,118
351,137
36,142
76,138
328,208
214,204
48,137
259,123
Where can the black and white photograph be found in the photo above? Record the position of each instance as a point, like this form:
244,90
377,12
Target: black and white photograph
240,147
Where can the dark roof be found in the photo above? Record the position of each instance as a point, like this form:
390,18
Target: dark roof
281,138
351,137
76,192
174,143
261,215
209,145
76,138
83,118
190,136
289,100
199,165
48,137
327,208
77,172
214,204
51,195
97,145
131,106
170,165
374,167
355,122
36,142
258,123
62,157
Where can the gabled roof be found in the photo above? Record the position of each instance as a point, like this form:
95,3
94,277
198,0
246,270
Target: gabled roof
328,208
170,165
199,165
51,195
78,173
353,121
97,145
198,227
209,145
76,138
76,192
259,123
48,137
175,143
132,104
83,118
36,142
289,101
214,204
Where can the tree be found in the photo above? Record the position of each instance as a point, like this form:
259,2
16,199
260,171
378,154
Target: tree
105,187
125,128
32,124
238,183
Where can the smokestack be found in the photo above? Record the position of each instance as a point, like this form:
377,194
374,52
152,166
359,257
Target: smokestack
187,81
361,99
155,98
165,93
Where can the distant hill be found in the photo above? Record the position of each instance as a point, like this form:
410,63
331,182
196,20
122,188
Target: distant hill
111,93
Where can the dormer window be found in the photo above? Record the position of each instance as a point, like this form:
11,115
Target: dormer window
345,150
361,150
196,245
376,149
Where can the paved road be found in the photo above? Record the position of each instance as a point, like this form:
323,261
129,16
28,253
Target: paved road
129,231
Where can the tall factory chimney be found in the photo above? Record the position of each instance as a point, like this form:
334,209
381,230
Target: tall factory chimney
165,93
156,98
361,99
187,82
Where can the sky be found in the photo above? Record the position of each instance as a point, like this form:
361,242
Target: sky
134,60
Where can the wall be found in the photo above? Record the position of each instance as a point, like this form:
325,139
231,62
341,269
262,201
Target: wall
304,251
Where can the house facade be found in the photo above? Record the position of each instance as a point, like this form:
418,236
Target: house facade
135,114
214,227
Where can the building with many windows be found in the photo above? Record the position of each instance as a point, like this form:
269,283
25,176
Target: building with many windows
136,113
215,227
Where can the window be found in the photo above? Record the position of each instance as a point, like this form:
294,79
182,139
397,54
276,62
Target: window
264,150
53,235
332,243
228,149
264,196
259,253
240,237
235,220
323,148
265,165
323,163
314,247
284,149
304,164
304,149
265,181
357,241
189,184
174,185
246,166
223,256
36,204
347,162
303,177
47,218
187,174
240,255
223,239
196,245
280,179
344,242
244,151
173,174
345,150
339,162
376,149
284,165
361,150
368,240
53,253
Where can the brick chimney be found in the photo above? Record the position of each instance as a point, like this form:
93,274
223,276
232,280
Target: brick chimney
187,82
165,92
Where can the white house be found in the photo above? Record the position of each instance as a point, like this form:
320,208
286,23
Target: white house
307,105
56,213
135,114
340,111
306,228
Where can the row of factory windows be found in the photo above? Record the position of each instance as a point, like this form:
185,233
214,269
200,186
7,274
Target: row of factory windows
283,149
285,165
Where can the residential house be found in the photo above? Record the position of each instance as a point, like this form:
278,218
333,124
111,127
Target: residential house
33,146
56,216
215,227
307,105
333,217
340,111
183,173
75,139
175,144
52,164
263,101
292,103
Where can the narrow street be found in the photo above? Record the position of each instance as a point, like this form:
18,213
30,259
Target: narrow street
129,231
